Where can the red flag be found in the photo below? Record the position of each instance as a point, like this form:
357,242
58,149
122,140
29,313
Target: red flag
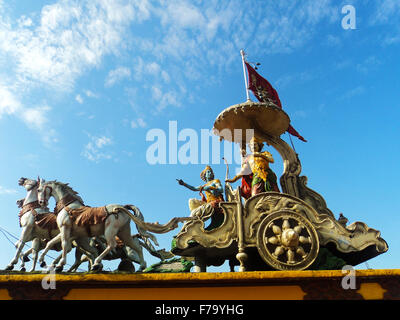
264,92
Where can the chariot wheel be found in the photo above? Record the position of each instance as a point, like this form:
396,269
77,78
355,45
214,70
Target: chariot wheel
286,240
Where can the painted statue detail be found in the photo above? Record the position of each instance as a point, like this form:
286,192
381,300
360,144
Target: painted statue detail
256,174
214,194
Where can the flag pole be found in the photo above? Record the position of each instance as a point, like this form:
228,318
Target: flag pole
244,74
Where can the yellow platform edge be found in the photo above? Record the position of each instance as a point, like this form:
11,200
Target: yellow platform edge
258,285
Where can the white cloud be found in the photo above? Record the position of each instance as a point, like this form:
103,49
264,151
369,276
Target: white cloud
139,122
332,41
102,141
117,75
94,149
370,63
9,104
386,10
143,68
165,99
79,98
69,38
184,15
196,35
90,94
6,191
52,49
36,118
359,90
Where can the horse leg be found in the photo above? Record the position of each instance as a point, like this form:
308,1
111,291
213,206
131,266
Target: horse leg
55,261
78,260
35,250
90,251
65,232
85,250
131,253
125,235
26,231
24,258
49,245
110,232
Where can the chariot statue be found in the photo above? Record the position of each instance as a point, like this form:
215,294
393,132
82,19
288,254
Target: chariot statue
265,228
257,226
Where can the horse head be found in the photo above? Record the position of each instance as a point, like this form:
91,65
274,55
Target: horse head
28,184
44,192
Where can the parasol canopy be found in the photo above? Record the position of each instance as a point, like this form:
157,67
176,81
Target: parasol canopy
263,118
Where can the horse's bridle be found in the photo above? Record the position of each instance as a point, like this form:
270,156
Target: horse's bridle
43,193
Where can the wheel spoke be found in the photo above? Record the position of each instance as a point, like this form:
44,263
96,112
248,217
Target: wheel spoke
304,240
278,251
273,240
285,224
298,229
290,256
300,251
276,229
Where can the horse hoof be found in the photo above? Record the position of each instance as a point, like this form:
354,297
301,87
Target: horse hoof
126,266
23,270
9,268
43,264
59,268
96,267
26,259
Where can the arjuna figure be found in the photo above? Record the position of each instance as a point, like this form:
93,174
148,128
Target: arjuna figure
214,194
256,170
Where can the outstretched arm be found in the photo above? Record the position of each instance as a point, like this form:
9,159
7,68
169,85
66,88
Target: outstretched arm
245,170
234,179
182,183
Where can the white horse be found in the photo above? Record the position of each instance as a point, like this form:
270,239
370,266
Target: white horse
27,217
115,223
31,216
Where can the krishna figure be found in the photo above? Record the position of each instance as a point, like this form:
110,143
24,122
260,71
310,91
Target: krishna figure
256,174
214,194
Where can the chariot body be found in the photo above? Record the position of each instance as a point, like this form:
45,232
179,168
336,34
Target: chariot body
288,230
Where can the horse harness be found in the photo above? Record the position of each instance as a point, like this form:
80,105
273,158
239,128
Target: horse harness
84,216
43,220
28,207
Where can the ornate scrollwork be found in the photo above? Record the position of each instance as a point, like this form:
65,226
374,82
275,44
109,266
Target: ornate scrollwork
220,237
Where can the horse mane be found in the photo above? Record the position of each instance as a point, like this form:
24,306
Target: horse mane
66,188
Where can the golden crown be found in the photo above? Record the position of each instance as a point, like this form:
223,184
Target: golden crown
255,140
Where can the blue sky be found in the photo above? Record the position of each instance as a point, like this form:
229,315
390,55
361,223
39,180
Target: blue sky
83,82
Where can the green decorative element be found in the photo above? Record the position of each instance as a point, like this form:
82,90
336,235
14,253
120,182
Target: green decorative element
169,266
173,243
326,260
